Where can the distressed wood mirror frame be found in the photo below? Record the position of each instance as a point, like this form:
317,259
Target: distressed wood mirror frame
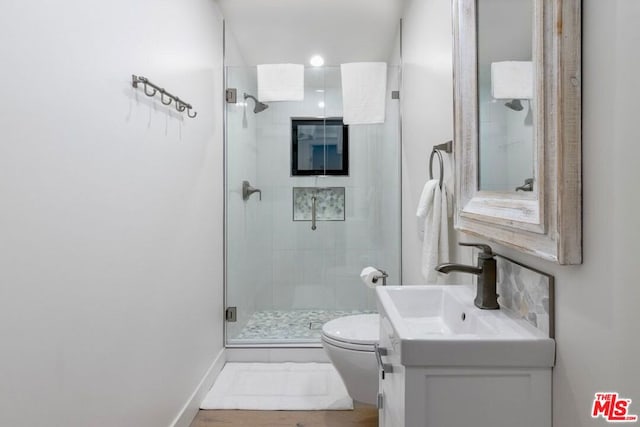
548,221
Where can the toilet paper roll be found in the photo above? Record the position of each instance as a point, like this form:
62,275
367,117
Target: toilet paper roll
368,276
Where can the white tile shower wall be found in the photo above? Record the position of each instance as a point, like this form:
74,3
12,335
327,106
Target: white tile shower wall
319,269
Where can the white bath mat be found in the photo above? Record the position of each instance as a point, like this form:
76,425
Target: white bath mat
278,386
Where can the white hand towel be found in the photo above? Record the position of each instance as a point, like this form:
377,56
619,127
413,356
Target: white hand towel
435,241
364,86
512,80
425,204
280,82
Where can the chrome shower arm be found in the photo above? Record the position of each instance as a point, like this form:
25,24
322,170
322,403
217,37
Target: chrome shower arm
259,106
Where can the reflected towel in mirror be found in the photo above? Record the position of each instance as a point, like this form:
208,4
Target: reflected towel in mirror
512,80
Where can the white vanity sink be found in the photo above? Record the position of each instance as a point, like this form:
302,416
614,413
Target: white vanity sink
440,326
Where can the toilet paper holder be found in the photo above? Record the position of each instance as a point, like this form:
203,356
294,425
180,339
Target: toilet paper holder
383,275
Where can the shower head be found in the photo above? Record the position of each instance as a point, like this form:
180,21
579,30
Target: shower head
260,106
514,104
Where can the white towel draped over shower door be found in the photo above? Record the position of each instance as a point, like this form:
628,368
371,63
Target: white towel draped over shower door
434,210
280,82
364,87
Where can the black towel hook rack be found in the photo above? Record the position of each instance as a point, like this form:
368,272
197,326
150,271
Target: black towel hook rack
165,97
446,147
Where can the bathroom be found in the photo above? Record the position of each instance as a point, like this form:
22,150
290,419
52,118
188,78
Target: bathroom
113,248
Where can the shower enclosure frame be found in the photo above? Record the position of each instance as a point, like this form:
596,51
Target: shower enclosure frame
225,293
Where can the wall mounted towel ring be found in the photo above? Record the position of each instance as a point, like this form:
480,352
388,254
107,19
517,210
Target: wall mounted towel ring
447,148
165,97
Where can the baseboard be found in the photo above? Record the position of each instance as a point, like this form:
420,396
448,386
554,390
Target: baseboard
190,409
276,355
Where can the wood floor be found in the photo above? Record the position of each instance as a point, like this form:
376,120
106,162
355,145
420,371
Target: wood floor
361,416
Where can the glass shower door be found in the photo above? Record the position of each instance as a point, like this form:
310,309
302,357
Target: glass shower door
285,277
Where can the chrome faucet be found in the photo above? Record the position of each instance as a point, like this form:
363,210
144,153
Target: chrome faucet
486,293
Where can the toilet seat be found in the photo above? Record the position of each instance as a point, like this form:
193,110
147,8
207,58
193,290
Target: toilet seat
347,346
358,332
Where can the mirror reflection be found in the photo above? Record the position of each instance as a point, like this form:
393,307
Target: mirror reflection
505,95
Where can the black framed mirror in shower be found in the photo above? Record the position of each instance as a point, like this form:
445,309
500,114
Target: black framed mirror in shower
319,146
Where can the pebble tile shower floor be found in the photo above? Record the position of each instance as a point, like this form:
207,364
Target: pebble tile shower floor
283,326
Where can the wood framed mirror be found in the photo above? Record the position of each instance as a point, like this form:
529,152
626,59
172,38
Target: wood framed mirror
517,136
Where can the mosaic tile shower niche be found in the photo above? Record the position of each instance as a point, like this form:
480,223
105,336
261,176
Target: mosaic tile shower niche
329,203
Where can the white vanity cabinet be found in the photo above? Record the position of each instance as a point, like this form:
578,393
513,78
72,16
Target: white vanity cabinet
391,397
458,396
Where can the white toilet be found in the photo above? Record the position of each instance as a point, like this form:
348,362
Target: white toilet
349,342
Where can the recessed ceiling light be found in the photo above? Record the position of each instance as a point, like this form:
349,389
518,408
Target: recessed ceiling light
320,90
316,61
320,104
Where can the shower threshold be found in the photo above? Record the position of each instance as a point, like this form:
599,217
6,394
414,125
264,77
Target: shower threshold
278,327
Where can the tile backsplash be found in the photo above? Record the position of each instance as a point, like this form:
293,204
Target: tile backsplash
527,292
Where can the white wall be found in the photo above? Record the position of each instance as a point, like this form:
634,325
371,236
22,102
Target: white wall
111,219
597,302
427,115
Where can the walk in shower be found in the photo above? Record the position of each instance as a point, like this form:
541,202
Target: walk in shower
309,203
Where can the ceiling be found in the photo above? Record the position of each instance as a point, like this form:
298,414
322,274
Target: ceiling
280,31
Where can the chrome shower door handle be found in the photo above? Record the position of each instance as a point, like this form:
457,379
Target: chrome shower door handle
313,212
